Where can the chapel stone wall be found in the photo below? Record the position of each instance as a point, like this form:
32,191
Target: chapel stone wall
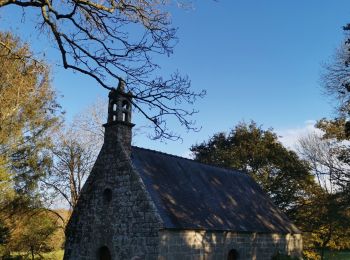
198,245
114,214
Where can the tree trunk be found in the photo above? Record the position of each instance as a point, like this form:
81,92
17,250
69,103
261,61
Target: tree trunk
322,252
32,252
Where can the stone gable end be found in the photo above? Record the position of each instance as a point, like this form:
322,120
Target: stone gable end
114,212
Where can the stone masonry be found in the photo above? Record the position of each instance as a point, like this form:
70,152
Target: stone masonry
114,210
127,224
198,245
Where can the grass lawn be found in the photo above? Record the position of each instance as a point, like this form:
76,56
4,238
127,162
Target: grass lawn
341,255
56,255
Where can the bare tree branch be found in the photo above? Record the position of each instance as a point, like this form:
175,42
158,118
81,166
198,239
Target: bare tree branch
114,40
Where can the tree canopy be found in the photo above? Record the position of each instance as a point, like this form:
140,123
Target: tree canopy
325,215
258,152
28,115
329,158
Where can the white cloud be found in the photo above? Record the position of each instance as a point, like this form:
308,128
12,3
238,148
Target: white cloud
289,137
187,154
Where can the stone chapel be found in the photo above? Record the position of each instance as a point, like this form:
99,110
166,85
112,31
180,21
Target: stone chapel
143,204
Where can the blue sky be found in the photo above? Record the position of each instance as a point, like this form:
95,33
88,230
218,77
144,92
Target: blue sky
258,60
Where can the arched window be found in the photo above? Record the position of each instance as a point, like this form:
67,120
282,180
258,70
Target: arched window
114,107
232,255
104,254
107,195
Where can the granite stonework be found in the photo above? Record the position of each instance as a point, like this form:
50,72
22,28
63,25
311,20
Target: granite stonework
126,223
118,216
114,217
198,245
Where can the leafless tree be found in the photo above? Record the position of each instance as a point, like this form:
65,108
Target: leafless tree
325,157
73,159
115,40
326,213
335,79
89,124
74,153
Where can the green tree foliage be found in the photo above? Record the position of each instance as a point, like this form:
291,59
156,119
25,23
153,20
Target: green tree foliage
27,117
324,219
326,215
336,132
319,207
34,233
258,152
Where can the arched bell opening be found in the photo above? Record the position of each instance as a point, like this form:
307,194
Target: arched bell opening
126,111
125,105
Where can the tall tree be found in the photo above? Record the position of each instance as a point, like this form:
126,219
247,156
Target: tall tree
74,151
27,118
326,215
335,80
27,114
258,152
327,159
113,41
32,234
73,158
332,160
336,149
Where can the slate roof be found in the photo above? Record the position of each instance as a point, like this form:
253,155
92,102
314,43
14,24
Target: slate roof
193,195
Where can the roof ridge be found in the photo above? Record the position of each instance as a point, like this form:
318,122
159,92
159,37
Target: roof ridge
155,151
188,159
